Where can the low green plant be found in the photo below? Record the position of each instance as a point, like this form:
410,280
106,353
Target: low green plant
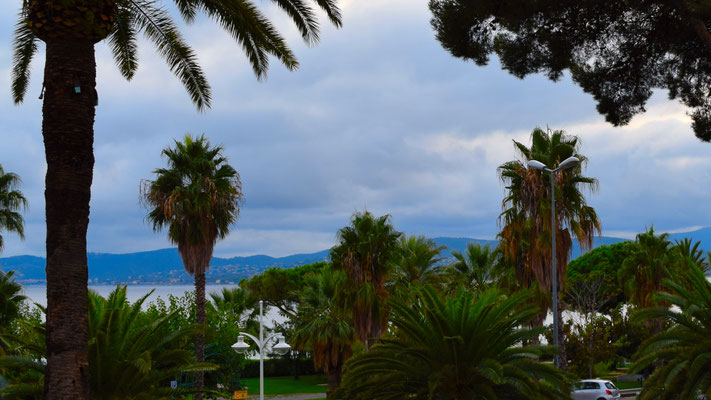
681,355
129,357
460,347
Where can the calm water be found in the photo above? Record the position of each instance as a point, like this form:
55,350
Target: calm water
38,294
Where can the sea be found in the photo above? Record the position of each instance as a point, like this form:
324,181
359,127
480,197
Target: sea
38,293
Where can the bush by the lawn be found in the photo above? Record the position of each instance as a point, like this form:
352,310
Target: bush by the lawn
279,367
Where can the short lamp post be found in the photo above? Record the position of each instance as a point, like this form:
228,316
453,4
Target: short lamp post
280,348
567,163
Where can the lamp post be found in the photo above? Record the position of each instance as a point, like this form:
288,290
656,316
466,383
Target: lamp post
280,348
567,163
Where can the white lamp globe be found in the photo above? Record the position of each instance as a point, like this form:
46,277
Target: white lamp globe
281,347
240,347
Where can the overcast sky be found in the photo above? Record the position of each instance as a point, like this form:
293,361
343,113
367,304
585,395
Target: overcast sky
378,116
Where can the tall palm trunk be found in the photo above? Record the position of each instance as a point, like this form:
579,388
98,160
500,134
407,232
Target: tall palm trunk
562,353
68,131
200,319
334,378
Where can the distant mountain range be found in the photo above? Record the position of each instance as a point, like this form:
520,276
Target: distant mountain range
165,266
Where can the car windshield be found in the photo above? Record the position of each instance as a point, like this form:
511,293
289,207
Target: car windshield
609,385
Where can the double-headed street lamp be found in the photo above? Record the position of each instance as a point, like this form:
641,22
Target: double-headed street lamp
280,348
567,163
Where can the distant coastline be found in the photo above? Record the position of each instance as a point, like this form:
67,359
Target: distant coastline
164,267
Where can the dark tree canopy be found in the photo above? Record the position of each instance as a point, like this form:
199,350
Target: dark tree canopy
279,287
601,263
616,50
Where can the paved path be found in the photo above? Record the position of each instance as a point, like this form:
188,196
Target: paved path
293,397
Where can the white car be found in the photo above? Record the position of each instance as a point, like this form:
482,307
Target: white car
595,389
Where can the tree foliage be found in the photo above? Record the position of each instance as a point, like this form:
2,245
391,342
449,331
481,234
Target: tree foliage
279,287
617,51
601,263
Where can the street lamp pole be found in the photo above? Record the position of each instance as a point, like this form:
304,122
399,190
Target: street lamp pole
567,163
280,348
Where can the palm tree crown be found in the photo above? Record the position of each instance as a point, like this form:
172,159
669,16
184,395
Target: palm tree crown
11,201
526,234
196,198
644,270
121,21
416,262
477,269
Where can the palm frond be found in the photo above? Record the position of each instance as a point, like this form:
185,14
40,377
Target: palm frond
24,48
123,42
159,27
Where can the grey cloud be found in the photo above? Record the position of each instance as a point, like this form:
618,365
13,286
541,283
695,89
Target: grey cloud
378,116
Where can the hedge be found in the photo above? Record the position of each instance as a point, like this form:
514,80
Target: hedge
279,367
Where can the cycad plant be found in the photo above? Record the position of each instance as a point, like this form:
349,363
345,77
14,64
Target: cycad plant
682,353
457,348
196,199
130,357
70,29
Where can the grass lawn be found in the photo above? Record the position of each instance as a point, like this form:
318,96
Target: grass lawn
627,385
288,385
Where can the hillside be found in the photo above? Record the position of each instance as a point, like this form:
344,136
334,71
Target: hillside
165,266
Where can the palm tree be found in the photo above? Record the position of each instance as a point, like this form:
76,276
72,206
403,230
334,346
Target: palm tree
238,303
461,347
643,272
526,233
365,251
681,354
690,254
70,29
196,199
11,201
324,324
416,262
476,270
11,299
